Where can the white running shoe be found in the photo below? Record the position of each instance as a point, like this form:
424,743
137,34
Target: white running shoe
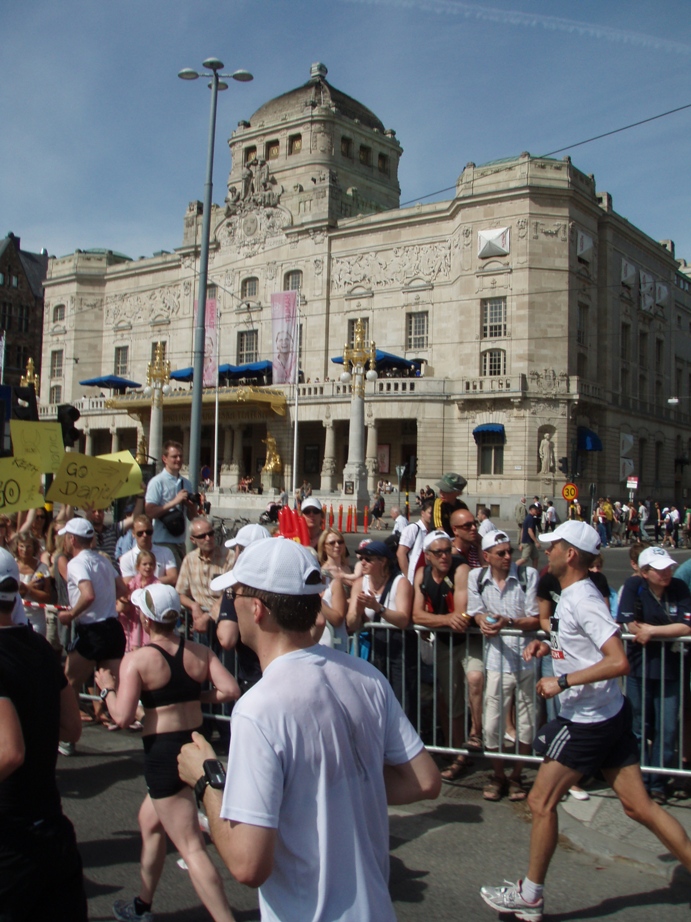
510,899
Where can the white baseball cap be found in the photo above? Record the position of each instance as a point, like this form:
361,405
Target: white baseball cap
311,503
80,527
281,566
437,535
9,570
493,538
247,534
657,558
159,602
579,534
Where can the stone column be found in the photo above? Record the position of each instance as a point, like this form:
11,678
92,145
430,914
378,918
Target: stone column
114,440
328,474
371,461
355,472
234,466
88,442
227,447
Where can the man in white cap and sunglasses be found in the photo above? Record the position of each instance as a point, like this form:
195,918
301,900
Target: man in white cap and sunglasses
593,731
318,748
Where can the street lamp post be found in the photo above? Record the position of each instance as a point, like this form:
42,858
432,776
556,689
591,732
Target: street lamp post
157,386
355,360
217,83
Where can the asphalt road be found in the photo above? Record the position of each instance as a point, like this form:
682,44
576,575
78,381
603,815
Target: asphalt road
441,852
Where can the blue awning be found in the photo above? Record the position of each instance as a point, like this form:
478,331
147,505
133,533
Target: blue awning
115,382
588,440
386,360
494,428
182,374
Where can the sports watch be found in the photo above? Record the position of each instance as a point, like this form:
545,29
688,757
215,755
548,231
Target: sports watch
214,776
563,682
104,693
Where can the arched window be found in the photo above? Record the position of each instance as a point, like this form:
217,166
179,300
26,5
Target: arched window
56,393
58,313
249,287
494,362
292,281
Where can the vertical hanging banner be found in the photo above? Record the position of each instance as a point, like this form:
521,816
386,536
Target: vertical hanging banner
284,328
2,357
210,342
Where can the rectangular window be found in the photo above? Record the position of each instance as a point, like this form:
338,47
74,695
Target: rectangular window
293,280
56,363
250,287
643,350
582,328
2,278
347,148
365,155
6,316
14,281
56,393
22,318
272,149
417,331
491,454
121,360
250,154
294,144
22,357
625,382
351,330
625,350
493,318
659,354
248,346
494,362
383,164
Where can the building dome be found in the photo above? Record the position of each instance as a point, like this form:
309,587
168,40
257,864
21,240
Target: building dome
316,92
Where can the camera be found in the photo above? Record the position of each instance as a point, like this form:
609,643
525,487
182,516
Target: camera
195,498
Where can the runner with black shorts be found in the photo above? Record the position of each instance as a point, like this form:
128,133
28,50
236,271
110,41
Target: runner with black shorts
593,731
92,585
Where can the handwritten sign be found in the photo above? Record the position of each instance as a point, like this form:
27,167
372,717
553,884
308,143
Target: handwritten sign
83,480
20,485
133,485
40,443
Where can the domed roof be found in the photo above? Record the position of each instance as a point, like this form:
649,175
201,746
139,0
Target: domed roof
316,92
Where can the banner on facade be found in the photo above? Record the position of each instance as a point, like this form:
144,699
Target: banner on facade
2,357
210,341
284,329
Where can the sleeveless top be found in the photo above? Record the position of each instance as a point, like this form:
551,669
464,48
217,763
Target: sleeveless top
179,688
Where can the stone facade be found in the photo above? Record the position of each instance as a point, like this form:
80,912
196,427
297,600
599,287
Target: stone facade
21,306
534,308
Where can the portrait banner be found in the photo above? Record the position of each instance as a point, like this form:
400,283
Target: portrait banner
40,443
210,342
284,328
85,481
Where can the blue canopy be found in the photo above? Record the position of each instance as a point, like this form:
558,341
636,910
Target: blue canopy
588,440
387,360
494,428
182,374
248,370
114,382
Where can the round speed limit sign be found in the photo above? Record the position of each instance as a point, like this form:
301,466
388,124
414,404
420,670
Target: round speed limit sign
570,492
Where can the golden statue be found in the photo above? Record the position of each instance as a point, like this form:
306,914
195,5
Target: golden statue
273,463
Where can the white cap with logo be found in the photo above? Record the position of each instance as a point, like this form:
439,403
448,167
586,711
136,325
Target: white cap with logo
158,602
80,527
493,538
579,534
657,558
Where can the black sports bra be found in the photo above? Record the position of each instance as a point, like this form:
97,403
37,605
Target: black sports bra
180,687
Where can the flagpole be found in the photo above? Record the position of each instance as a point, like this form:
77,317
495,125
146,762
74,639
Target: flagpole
218,362
297,381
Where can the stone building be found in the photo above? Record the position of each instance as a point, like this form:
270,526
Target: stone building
21,306
550,332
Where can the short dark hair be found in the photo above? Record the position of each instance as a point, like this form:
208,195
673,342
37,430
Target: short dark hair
291,612
635,551
585,559
171,443
428,504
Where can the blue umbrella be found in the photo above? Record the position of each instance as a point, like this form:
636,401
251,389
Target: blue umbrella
388,360
114,382
182,374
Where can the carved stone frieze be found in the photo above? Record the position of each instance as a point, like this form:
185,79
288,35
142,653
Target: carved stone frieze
548,382
558,229
388,268
141,307
249,227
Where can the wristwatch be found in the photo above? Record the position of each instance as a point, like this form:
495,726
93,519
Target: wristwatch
563,682
214,775
104,693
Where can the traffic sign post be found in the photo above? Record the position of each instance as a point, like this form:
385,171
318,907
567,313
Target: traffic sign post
569,492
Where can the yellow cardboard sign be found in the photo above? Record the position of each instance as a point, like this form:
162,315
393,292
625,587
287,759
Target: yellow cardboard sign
40,443
20,485
85,481
133,485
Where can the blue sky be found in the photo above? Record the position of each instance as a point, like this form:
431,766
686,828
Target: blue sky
102,146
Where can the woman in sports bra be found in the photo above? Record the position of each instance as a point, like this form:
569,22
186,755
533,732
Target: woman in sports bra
167,675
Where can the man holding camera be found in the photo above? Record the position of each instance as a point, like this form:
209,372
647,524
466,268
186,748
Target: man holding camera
169,502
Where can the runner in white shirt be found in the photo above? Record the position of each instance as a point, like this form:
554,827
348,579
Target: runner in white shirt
409,551
593,731
318,748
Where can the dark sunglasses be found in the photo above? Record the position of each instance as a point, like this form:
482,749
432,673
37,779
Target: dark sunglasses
312,511
504,553
204,534
467,525
147,531
442,552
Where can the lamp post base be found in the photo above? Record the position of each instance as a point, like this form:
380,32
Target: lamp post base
355,491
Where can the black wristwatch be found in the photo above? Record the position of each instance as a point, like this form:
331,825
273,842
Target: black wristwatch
214,775
563,682
104,693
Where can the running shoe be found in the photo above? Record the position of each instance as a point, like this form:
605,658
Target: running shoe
510,899
124,911
66,749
